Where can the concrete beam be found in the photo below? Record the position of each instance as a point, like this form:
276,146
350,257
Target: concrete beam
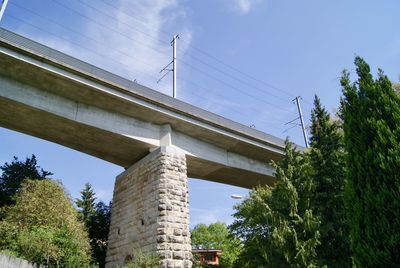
120,121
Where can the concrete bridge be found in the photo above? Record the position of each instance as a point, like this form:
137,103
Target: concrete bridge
159,140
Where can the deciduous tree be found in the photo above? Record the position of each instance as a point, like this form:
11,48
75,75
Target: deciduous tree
43,227
217,236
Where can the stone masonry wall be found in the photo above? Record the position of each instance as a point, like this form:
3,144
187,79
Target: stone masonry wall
150,211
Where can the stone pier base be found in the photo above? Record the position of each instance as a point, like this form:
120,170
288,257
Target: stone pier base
150,211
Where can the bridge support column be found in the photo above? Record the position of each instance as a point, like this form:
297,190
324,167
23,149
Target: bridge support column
150,211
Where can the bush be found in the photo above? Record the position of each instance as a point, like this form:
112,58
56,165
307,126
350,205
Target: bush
143,260
43,227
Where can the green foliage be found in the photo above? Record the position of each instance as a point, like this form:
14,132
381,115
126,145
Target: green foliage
371,122
217,236
142,260
14,174
43,227
97,217
87,204
276,224
327,159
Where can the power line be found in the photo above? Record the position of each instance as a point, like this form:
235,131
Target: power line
195,68
130,26
101,55
194,57
103,44
76,44
291,95
108,27
281,122
235,88
187,64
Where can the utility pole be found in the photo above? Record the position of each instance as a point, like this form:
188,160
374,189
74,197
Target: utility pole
298,98
173,70
3,8
174,65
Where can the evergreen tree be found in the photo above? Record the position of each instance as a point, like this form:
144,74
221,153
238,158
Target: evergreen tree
276,223
87,204
371,122
97,217
15,173
328,172
98,232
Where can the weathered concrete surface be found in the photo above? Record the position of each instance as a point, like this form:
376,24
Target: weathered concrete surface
50,95
150,211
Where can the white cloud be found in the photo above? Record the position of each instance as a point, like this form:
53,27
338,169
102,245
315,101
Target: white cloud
141,42
128,38
244,7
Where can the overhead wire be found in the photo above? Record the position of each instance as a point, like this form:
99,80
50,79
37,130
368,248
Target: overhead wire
108,27
121,52
198,59
74,43
101,43
105,44
186,63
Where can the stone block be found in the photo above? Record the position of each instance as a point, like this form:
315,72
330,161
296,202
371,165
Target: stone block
150,211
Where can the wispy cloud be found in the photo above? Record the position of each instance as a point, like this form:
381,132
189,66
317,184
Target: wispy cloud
129,38
244,7
140,38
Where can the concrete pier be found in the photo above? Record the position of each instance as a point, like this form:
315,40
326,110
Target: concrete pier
150,211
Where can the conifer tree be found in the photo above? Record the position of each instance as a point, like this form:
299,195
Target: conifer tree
96,217
276,223
14,173
371,122
328,172
87,204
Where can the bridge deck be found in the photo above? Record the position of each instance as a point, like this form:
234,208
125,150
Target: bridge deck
51,95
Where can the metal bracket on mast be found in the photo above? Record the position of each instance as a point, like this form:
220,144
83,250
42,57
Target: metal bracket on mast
297,99
173,70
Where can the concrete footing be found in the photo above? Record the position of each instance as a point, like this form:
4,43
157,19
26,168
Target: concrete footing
150,211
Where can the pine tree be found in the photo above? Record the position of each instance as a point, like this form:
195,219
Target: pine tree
87,204
276,223
100,226
328,171
97,217
371,122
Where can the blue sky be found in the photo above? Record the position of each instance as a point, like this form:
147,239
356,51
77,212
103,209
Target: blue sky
243,59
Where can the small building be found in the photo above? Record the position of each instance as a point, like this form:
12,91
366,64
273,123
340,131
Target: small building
208,256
